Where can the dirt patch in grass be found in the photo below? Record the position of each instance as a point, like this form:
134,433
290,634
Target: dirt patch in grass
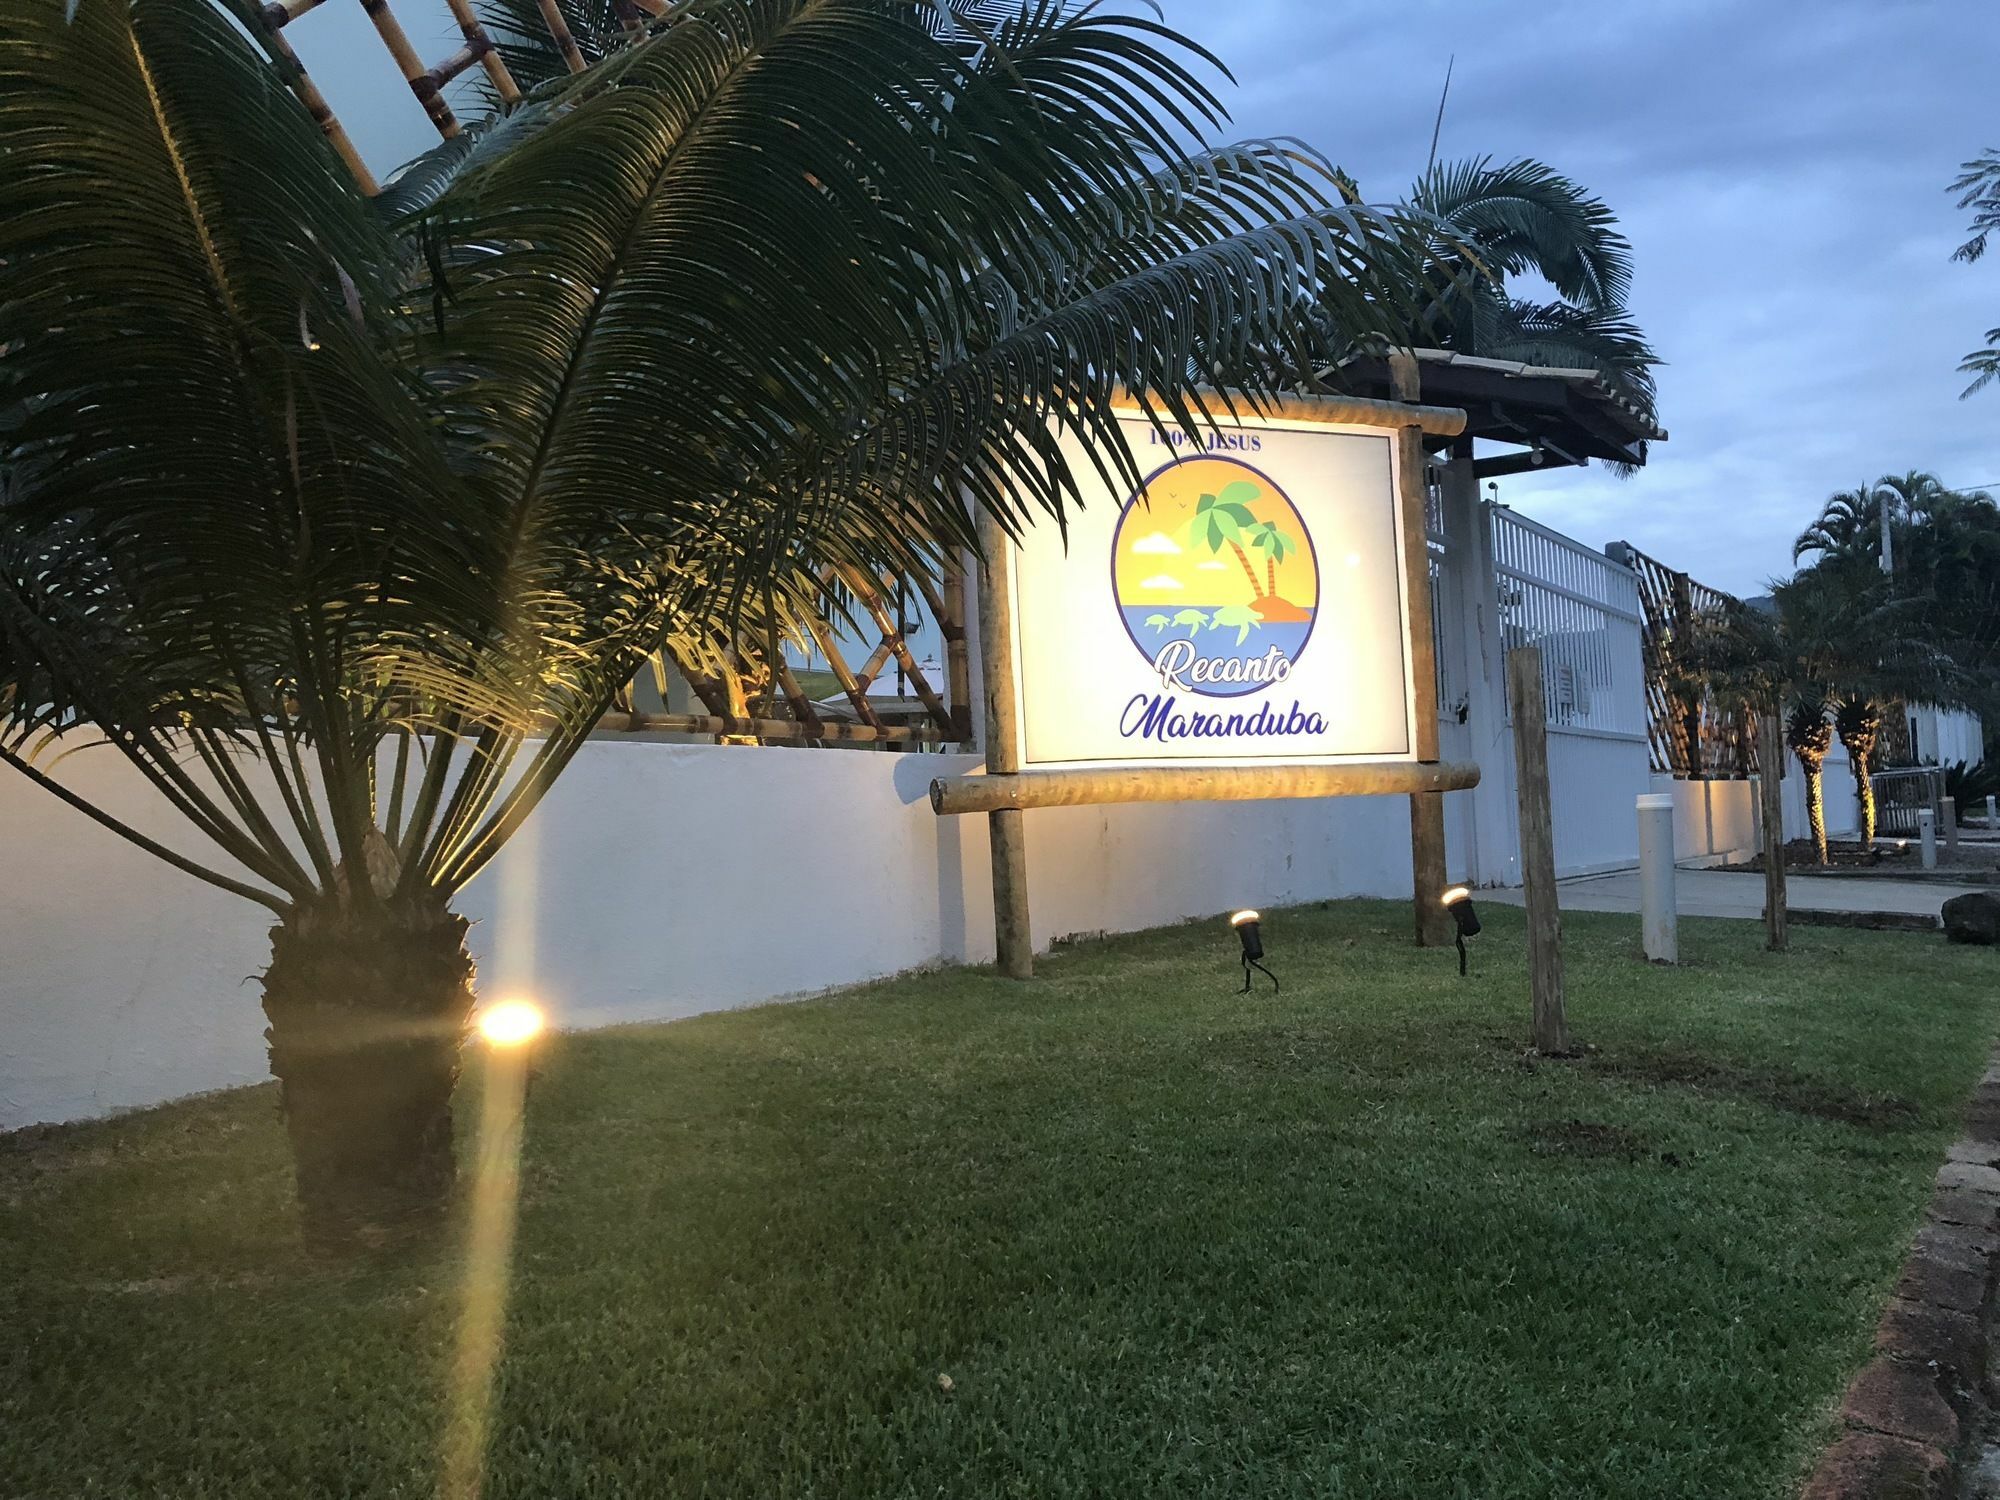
1779,1088
1586,1138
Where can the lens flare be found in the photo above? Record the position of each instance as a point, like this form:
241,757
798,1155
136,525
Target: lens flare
510,1023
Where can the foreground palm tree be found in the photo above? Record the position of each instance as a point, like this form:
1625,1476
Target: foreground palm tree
345,520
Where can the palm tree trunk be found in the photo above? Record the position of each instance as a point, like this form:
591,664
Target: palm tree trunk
1270,577
1816,811
1248,571
367,1016
1865,789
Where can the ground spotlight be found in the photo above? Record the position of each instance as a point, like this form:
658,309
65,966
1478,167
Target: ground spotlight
1250,932
510,1023
1458,901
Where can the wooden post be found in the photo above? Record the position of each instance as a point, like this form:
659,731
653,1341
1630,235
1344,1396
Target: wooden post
957,669
1770,767
1013,937
1538,847
1427,865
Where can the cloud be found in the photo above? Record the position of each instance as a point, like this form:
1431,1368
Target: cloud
1159,542
1161,581
1712,156
1213,565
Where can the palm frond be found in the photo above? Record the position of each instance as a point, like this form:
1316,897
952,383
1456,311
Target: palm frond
208,522
1523,215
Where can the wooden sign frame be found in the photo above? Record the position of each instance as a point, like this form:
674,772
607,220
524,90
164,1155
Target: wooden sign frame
1006,790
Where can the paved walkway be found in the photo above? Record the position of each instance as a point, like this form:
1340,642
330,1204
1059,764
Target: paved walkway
1727,893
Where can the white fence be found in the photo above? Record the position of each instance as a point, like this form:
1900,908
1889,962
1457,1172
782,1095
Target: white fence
661,880
1582,609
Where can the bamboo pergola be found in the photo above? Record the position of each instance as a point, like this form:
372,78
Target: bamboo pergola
751,694
427,83
1691,735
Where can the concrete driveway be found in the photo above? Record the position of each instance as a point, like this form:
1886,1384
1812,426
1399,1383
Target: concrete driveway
1724,893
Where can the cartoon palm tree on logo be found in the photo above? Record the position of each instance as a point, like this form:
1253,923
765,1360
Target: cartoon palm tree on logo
1225,519
1276,547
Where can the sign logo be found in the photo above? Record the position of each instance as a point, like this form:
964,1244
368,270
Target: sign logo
1215,577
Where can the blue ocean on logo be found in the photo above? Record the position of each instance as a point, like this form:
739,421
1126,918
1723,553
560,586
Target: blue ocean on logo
1152,626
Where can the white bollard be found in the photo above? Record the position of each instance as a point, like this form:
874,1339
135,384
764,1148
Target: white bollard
1927,826
1948,816
1992,813
1659,911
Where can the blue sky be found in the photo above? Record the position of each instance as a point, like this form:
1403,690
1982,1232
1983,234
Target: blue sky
1779,166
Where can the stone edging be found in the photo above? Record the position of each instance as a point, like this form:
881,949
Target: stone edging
1905,1412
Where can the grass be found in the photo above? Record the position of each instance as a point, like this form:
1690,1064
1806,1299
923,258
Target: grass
1116,1233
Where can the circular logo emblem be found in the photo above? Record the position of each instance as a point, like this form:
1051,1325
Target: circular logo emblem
1215,577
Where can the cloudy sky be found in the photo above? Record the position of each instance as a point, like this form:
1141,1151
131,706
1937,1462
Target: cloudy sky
1779,166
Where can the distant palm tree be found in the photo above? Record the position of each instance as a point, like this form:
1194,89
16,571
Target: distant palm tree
1944,589
1978,188
1519,218
1834,638
1494,222
345,521
1849,526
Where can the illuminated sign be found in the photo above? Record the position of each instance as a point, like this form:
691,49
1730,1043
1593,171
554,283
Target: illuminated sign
1244,605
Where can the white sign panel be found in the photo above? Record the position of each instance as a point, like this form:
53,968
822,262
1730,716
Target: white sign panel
1245,606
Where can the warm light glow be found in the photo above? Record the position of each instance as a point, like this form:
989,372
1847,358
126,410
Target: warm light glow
1455,895
511,1023
1241,917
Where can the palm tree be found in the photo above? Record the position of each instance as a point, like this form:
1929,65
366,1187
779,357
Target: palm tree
1978,188
1944,592
1224,520
1835,637
1868,646
1810,737
344,521
1772,659
1850,524
1518,218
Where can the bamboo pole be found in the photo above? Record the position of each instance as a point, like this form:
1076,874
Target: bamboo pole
892,637
1427,853
803,708
1770,768
282,13
1091,787
475,34
957,661
308,94
1538,848
415,74
856,690
768,729
559,34
1007,835
456,64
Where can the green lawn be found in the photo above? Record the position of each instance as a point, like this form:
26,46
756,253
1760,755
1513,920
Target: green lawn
1162,1240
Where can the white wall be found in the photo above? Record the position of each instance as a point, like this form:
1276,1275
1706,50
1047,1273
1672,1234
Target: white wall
1946,736
1718,821
658,880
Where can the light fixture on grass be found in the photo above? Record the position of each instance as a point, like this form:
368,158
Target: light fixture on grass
1250,932
510,1023
1458,901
